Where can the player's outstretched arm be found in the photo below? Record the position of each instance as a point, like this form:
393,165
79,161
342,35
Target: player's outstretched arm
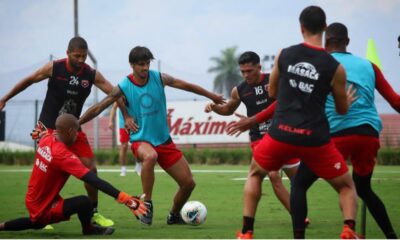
41,74
386,90
274,79
96,109
190,87
227,108
136,206
339,90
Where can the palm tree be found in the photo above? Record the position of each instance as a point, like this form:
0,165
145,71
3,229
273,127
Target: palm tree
227,69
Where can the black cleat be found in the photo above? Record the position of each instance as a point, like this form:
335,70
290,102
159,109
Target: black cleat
99,230
147,219
174,218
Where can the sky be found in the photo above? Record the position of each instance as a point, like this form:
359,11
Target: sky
182,34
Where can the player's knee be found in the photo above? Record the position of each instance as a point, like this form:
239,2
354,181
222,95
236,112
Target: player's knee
150,158
189,185
274,177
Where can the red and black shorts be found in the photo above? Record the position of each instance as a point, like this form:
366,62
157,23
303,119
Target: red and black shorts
325,161
167,153
53,213
123,135
291,163
362,151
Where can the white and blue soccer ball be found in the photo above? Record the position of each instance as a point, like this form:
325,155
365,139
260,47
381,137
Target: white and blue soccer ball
194,213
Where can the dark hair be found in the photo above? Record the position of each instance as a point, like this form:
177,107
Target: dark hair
249,57
139,53
336,34
313,19
77,43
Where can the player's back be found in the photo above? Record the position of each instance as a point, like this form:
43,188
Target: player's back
305,76
52,166
361,75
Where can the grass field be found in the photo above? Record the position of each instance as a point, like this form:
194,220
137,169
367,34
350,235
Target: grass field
219,188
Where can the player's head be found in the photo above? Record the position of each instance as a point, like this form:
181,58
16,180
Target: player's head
67,126
312,20
77,52
398,40
139,59
250,67
336,37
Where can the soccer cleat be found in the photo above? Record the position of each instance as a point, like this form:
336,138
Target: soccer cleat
174,218
101,220
349,233
246,235
48,227
307,222
138,168
147,218
98,230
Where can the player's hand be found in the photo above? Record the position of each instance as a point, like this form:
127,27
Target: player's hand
209,107
136,205
111,125
218,98
130,124
351,94
242,125
39,131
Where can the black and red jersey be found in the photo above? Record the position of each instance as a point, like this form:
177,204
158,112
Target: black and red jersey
66,92
305,76
255,98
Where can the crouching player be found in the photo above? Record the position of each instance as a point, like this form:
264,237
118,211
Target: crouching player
53,164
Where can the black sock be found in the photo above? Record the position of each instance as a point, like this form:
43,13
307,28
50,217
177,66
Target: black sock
95,205
351,223
21,224
373,203
248,224
299,234
391,235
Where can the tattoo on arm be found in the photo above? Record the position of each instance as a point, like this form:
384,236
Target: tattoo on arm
167,79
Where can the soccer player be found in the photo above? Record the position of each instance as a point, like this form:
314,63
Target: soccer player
356,134
53,165
253,92
70,83
302,77
123,139
147,120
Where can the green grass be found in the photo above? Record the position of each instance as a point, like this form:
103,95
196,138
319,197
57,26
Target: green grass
221,195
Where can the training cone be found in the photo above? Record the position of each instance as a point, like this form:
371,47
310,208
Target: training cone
372,54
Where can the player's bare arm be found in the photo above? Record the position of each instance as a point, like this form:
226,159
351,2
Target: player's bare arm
39,75
227,108
183,85
274,79
101,82
339,90
96,109
112,116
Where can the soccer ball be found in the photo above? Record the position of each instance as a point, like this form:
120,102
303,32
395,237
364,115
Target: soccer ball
194,213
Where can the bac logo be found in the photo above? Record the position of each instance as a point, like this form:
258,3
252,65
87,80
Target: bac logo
42,166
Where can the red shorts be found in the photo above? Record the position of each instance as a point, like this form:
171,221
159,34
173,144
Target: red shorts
52,214
291,163
167,153
81,146
123,135
325,161
361,150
